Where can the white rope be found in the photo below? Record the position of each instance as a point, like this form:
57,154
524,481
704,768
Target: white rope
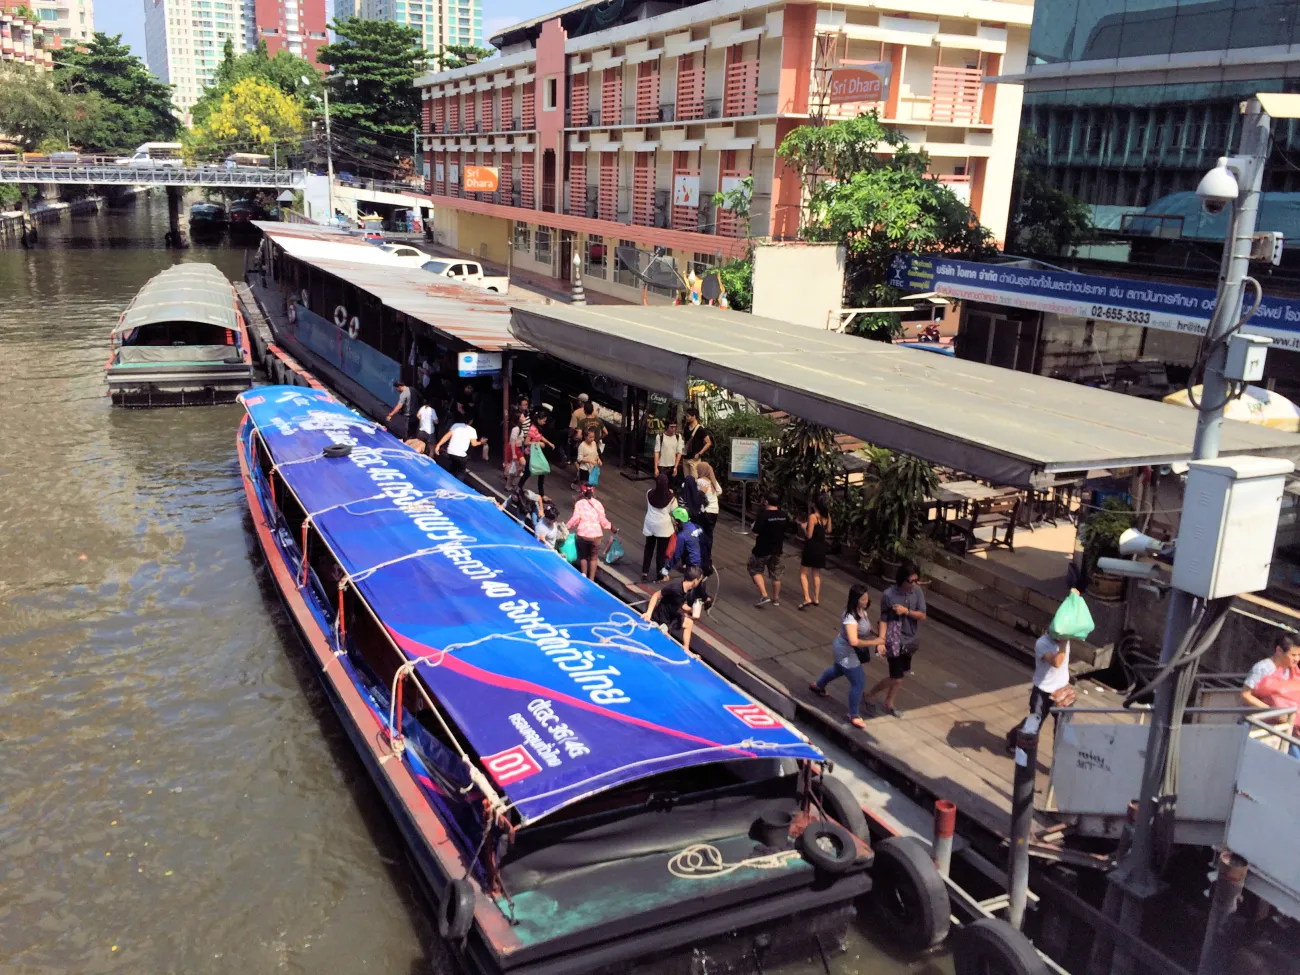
701,861
616,640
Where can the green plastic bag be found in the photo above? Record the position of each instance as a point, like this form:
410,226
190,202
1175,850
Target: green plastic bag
537,462
1073,620
569,548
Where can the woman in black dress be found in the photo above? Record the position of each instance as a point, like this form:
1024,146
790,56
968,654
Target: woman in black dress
813,559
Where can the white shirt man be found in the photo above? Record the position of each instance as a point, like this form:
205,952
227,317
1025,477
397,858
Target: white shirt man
458,440
1051,674
428,417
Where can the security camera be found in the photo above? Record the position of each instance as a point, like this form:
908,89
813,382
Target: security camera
1125,567
1218,188
1133,542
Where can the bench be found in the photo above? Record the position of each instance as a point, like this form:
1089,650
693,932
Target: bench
995,514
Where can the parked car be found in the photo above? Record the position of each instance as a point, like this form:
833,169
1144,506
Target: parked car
405,254
468,272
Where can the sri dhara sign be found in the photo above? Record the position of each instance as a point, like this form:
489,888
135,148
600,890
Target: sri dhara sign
863,83
481,179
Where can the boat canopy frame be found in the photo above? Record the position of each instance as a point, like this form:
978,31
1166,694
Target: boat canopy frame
197,293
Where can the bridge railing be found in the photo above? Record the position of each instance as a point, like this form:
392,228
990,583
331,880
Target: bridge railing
25,172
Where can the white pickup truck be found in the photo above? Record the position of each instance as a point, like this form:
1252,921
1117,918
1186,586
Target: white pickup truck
467,272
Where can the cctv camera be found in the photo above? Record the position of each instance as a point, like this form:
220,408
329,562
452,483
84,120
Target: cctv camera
1133,542
1218,188
1125,567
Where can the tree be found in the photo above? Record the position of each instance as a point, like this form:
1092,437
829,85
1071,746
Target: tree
868,190
32,110
372,86
252,117
134,107
285,71
1044,219
459,55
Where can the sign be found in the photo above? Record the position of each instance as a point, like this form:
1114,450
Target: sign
439,172
686,191
1168,307
481,179
455,174
478,363
868,83
744,458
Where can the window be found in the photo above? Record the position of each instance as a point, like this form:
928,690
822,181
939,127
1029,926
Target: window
594,251
522,241
542,246
549,94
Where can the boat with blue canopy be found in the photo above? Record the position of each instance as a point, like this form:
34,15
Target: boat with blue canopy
577,790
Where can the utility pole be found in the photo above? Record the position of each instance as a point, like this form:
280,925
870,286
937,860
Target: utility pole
1136,879
329,148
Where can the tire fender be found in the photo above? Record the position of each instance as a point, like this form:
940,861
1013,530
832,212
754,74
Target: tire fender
992,945
828,847
908,892
841,805
456,910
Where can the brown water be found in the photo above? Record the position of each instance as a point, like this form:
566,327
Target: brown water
175,793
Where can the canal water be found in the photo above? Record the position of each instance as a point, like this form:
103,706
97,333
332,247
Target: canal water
177,795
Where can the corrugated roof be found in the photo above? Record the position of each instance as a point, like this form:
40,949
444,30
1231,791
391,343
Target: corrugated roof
461,313
183,293
996,423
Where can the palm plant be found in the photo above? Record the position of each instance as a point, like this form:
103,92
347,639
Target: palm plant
808,462
893,515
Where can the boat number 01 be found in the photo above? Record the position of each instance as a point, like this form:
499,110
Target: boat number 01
511,766
754,715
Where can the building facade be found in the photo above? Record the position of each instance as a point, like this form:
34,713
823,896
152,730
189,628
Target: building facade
184,43
73,20
440,23
615,127
23,42
296,26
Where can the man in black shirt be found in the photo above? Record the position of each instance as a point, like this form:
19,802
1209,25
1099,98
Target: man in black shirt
671,606
697,440
769,539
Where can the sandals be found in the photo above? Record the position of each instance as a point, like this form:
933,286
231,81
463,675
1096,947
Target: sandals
819,691
857,722
805,604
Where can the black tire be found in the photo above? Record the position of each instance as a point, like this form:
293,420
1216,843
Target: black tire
991,946
908,892
456,910
841,805
828,846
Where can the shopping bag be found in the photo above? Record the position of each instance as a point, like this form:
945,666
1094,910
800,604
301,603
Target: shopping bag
537,462
593,476
894,638
570,549
1072,621
614,553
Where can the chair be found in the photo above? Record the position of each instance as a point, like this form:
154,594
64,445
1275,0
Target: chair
995,514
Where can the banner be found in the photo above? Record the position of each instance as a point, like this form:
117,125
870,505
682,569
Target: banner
481,179
1169,307
686,191
867,83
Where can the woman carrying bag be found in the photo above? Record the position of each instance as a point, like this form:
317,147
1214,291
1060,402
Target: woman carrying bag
538,465
852,648
658,527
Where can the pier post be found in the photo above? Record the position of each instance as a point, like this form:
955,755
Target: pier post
1223,904
945,824
175,196
1022,821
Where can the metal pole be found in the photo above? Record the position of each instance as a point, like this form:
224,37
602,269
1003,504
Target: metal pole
945,824
1022,819
329,149
1137,875
1227,894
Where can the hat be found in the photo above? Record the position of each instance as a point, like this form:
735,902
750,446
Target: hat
547,407
681,514
583,397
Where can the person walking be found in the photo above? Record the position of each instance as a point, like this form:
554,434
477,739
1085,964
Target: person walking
902,608
589,522
853,646
813,559
707,482
673,607
403,405
516,463
588,458
769,550
1274,682
690,549
575,421
539,465
428,422
658,527
668,452
458,440
1051,682
698,440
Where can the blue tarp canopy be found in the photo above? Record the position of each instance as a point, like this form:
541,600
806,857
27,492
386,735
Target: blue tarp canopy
558,687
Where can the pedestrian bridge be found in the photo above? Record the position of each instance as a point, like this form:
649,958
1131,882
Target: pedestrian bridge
114,175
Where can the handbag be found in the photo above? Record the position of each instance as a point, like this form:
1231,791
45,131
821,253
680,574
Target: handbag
537,462
894,638
593,476
569,549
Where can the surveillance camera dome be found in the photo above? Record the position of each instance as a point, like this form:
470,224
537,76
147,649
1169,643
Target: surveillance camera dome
1218,188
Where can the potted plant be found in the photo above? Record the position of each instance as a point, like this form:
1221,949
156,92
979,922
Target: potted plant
1099,536
807,464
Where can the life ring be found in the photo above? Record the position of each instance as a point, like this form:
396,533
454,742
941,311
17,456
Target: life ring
354,326
841,806
909,893
456,911
992,945
292,313
303,295
341,316
828,847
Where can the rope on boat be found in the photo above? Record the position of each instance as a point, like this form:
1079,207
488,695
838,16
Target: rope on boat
702,861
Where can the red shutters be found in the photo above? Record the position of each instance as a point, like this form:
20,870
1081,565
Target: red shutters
530,105
611,97
578,100
647,92
740,90
578,184
507,162
609,186
690,87
728,224
684,217
527,178
643,190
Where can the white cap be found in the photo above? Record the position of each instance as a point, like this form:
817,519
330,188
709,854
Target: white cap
548,407
583,397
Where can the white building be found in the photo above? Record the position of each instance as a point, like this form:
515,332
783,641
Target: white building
74,20
184,41
440,22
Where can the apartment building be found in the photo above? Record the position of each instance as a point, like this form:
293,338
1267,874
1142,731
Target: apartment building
27,43
185,40
610,128
439,22
296,26
74,20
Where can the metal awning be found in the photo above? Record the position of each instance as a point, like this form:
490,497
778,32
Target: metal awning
1007,427
183,293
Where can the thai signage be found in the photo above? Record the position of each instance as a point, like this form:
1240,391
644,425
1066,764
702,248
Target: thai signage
864,83
481,179
1170,307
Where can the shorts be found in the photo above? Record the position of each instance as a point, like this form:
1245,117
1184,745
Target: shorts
454,465
900,665
772,563
587,548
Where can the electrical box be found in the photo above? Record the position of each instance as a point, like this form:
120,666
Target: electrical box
1229,523
1245,361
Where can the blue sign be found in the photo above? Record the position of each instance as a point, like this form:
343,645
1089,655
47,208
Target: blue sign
1171,307
478,364
744,458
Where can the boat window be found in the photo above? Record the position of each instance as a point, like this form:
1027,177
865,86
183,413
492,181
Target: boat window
180,333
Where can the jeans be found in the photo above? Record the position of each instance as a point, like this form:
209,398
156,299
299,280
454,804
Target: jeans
857,683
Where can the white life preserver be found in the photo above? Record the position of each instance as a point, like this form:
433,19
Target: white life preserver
354,326
305,302
292,313
341,316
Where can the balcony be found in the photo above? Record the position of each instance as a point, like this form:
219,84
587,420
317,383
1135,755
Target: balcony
956,95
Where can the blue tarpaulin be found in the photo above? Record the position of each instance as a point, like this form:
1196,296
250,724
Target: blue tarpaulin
556,685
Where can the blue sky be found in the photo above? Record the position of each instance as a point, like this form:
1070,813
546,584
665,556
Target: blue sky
126,17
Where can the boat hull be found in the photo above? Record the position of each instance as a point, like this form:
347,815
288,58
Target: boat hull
162,384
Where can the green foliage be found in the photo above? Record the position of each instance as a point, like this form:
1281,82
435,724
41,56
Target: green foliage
891,517
460,55
284,72
738,278
26,13
737,200
133,107
869,191
1100,533
764,428
1044,219
32,110
808,462
372,85
253,116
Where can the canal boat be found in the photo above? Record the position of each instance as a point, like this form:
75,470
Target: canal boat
182,341
208,220
577,792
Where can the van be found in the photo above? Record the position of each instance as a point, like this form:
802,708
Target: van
151,154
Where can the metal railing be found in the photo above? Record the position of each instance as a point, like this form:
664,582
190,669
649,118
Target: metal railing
292,179
413,185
